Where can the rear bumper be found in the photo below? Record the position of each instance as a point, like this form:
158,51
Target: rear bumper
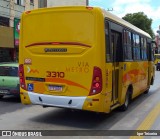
57,101
9,91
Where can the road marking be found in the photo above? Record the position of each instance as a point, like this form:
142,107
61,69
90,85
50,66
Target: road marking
148,121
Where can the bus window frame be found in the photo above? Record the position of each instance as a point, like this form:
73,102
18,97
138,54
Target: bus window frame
143,47
134,34
117,28
109,43
126,45
150,50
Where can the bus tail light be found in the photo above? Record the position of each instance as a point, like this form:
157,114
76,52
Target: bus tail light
96,86
21,77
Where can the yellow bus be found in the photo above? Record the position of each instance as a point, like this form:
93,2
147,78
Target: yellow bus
82,58
156,58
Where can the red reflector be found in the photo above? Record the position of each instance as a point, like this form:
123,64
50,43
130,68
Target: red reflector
97,85
90,104
89,8
21,80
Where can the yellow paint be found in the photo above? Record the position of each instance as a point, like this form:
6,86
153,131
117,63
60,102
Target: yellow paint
157,58
148,121
24,97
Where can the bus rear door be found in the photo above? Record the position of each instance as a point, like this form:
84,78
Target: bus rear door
116,45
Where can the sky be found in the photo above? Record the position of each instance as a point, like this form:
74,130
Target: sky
151,8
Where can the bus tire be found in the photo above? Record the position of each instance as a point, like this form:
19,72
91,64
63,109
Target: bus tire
152,81
147,91
124,107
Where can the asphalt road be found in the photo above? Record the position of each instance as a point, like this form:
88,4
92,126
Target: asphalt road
10,104
15,116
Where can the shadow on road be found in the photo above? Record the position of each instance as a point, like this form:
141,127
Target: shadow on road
12,99
72,118
10,104
84,119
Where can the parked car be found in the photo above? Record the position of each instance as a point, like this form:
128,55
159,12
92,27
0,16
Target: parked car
9,80
158,66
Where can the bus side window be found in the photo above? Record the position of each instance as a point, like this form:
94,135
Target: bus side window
107,39
127,45
143,49
136,46
151,56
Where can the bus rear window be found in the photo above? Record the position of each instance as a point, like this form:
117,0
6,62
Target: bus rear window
59,27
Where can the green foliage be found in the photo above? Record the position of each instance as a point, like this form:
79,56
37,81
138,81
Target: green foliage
141,21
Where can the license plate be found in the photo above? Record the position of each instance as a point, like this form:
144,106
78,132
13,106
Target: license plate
3,91
55,88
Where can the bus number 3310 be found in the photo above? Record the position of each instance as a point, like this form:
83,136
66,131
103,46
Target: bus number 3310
55,74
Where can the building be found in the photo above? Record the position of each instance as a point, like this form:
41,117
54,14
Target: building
10,12
52,3
157,39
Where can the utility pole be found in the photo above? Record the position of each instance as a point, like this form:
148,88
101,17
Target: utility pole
87,2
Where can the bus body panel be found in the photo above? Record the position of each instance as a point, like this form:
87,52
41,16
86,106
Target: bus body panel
60,51
136,73
63,56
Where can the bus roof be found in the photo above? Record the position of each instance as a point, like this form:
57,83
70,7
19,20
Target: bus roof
105,14
124,23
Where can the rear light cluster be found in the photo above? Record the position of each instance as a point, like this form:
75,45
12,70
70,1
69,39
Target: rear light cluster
96,86
21,77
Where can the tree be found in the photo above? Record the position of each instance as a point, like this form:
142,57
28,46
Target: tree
141,21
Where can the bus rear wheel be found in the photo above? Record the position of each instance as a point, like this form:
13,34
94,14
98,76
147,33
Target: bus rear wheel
124,107
147,91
